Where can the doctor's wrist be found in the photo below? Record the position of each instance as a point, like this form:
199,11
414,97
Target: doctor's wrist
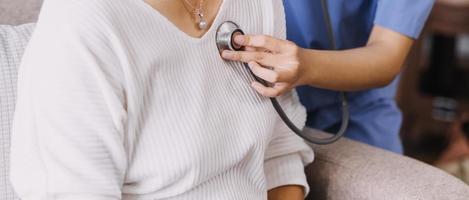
308,74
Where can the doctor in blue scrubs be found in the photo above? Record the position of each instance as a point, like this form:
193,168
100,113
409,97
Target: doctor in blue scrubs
373,38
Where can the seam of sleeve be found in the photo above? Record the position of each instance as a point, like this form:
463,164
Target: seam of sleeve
39,146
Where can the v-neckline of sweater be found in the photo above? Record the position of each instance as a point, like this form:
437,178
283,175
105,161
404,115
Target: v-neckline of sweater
154,12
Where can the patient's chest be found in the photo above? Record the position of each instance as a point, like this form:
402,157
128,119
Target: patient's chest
184,97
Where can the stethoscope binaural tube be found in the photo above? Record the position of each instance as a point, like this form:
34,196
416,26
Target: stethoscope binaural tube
224,39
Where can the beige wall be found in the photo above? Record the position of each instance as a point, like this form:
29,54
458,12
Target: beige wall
19,11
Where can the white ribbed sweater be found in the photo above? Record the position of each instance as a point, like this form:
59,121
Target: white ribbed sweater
115,102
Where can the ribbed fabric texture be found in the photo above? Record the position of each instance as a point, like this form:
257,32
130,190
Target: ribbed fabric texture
115,102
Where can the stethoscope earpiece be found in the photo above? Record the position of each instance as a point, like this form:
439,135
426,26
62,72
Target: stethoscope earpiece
225,34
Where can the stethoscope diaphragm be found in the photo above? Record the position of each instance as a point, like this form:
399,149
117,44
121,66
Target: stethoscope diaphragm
225,34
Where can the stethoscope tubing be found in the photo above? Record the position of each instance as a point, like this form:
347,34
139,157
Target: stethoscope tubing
307,137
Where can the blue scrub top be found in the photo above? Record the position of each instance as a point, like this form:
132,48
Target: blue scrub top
375,118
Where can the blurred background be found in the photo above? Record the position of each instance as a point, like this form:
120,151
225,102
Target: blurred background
434,91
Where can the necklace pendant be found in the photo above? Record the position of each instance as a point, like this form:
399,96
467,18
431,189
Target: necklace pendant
203,25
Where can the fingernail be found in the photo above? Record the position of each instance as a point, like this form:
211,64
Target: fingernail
227,54
239,39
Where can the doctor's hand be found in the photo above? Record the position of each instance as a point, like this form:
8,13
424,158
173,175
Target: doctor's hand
273,60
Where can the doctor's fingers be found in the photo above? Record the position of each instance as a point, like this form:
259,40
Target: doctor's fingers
264,41
275,91
272,76
258,49
263,58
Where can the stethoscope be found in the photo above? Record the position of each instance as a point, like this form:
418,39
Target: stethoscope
224,40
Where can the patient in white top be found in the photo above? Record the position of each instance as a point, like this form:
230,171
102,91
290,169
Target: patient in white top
129,99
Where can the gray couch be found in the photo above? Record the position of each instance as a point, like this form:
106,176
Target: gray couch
346,170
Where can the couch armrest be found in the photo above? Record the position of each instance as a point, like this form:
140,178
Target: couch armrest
348,170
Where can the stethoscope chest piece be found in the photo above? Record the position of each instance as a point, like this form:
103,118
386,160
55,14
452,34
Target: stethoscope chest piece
225,34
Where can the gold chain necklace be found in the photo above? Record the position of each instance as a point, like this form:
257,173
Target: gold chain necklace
199,14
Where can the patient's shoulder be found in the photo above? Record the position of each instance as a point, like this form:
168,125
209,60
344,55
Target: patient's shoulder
82,23
89,14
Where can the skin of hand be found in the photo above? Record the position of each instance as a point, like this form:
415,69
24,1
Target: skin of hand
287,66
288,192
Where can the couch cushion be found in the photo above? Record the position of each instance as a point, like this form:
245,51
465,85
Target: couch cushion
13,40
16,12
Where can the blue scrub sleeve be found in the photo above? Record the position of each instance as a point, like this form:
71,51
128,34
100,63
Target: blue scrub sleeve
403,16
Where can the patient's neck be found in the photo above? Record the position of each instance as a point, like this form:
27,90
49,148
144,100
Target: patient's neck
179,14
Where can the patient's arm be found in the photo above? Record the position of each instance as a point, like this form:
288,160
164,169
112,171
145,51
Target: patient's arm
68,134
287,153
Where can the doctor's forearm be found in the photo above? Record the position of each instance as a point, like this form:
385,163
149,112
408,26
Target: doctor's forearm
348,70
286,65
374,65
